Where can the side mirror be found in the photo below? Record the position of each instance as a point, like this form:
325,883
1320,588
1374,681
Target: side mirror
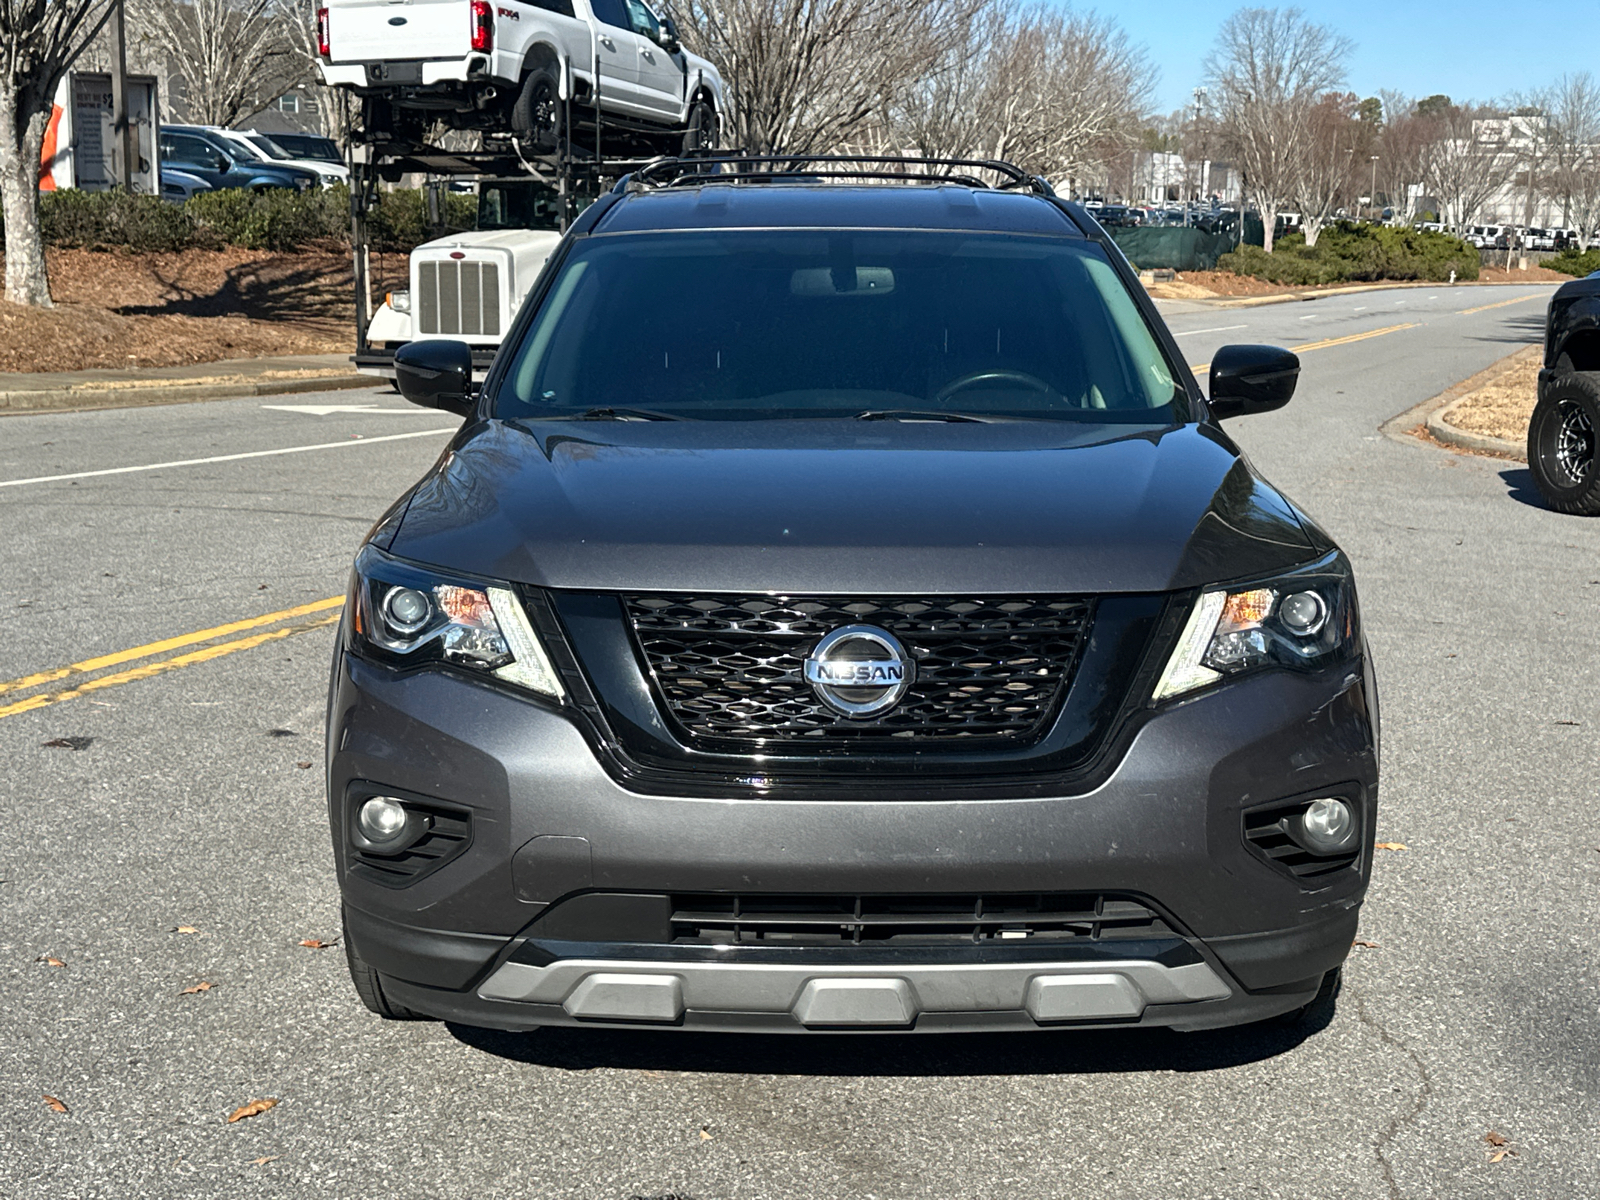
671,42
1251,379
436,374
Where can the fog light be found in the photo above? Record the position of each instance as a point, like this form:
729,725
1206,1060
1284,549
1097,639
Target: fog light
384,820
1327,826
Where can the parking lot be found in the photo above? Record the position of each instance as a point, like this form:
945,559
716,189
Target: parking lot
165,609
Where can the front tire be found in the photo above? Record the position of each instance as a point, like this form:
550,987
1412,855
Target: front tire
369,986
536,115
1561,444
701,135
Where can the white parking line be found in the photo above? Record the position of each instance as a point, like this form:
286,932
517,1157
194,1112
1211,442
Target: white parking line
222,458
1310,317
1218,329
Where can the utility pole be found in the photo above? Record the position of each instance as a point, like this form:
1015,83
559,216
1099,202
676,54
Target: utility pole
1372,195
125,145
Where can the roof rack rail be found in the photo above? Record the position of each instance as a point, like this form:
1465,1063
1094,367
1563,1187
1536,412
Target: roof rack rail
810,168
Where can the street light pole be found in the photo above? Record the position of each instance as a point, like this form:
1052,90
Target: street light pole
1372,195
124,143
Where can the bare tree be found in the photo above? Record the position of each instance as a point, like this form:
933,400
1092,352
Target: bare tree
1467,159
337,110
1572,174
1266,73
39,41
1401,147
809,76
1323,178
1055,91
234,56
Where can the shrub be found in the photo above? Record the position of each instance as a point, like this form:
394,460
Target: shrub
1347,252
274,219
1570,262
147,223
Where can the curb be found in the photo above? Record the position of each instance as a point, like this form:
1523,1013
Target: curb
1424,418
1296,297
148,392
1450,435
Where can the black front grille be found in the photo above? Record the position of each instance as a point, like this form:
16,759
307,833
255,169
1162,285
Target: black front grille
836,920
731,668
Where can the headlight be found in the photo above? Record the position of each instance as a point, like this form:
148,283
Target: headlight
408,615
1302,620
400,301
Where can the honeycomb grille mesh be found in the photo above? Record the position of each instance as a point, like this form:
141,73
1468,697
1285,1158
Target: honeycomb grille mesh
731,668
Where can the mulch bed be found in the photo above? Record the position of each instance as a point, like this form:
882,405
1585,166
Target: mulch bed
117,309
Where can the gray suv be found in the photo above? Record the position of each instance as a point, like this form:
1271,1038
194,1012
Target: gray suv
841,609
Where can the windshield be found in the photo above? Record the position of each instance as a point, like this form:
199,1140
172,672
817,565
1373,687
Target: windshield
521,204
746,325
267,146
303,145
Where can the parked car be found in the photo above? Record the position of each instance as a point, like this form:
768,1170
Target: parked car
1561,433
499,68
966,682
177,186
307,146
267,150
223,163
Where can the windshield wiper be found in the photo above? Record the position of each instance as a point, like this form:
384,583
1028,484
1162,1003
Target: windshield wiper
918,414
622,414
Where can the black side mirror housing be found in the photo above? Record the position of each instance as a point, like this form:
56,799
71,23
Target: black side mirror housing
1251,379
671,42
436,374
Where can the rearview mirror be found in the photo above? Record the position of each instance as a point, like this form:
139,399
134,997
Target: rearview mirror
436,374
1251,379
670,41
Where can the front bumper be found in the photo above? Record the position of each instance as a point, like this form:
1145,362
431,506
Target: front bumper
1248,939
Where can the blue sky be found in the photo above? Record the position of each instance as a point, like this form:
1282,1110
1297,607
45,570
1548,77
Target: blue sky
1469,49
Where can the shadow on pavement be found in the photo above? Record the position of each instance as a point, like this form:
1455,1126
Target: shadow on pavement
1067,1052
1520,487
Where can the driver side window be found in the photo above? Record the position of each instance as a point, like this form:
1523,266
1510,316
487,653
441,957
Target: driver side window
610,12
642,21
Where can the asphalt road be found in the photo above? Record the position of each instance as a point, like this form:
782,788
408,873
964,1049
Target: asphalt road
1476,1011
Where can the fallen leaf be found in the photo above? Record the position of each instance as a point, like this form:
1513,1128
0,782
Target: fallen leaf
318,943
282,733
304,766
1495,1139
1391,846
185,929
1365,945
705,1135
205,985
1566,722
261,1162
1498,1155
70,743
53,1104
254,1109
54,962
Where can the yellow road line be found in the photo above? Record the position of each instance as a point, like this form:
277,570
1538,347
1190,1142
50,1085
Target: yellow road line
1202,368
167,664
1467,312
172,643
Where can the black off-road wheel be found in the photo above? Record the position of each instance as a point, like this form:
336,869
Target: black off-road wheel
700,137
369,986
1561,443
536,115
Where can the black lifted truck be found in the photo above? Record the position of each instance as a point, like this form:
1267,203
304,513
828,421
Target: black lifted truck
1561,433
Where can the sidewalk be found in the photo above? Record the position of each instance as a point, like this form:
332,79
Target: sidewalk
59,390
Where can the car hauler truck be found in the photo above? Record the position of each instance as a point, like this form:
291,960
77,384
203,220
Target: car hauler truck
468,286
508,67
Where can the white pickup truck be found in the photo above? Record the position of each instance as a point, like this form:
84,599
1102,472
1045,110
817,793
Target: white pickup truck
468,286
505,66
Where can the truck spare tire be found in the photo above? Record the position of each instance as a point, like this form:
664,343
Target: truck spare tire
536,114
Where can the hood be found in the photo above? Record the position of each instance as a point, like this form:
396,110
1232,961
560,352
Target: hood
514,240
846,507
